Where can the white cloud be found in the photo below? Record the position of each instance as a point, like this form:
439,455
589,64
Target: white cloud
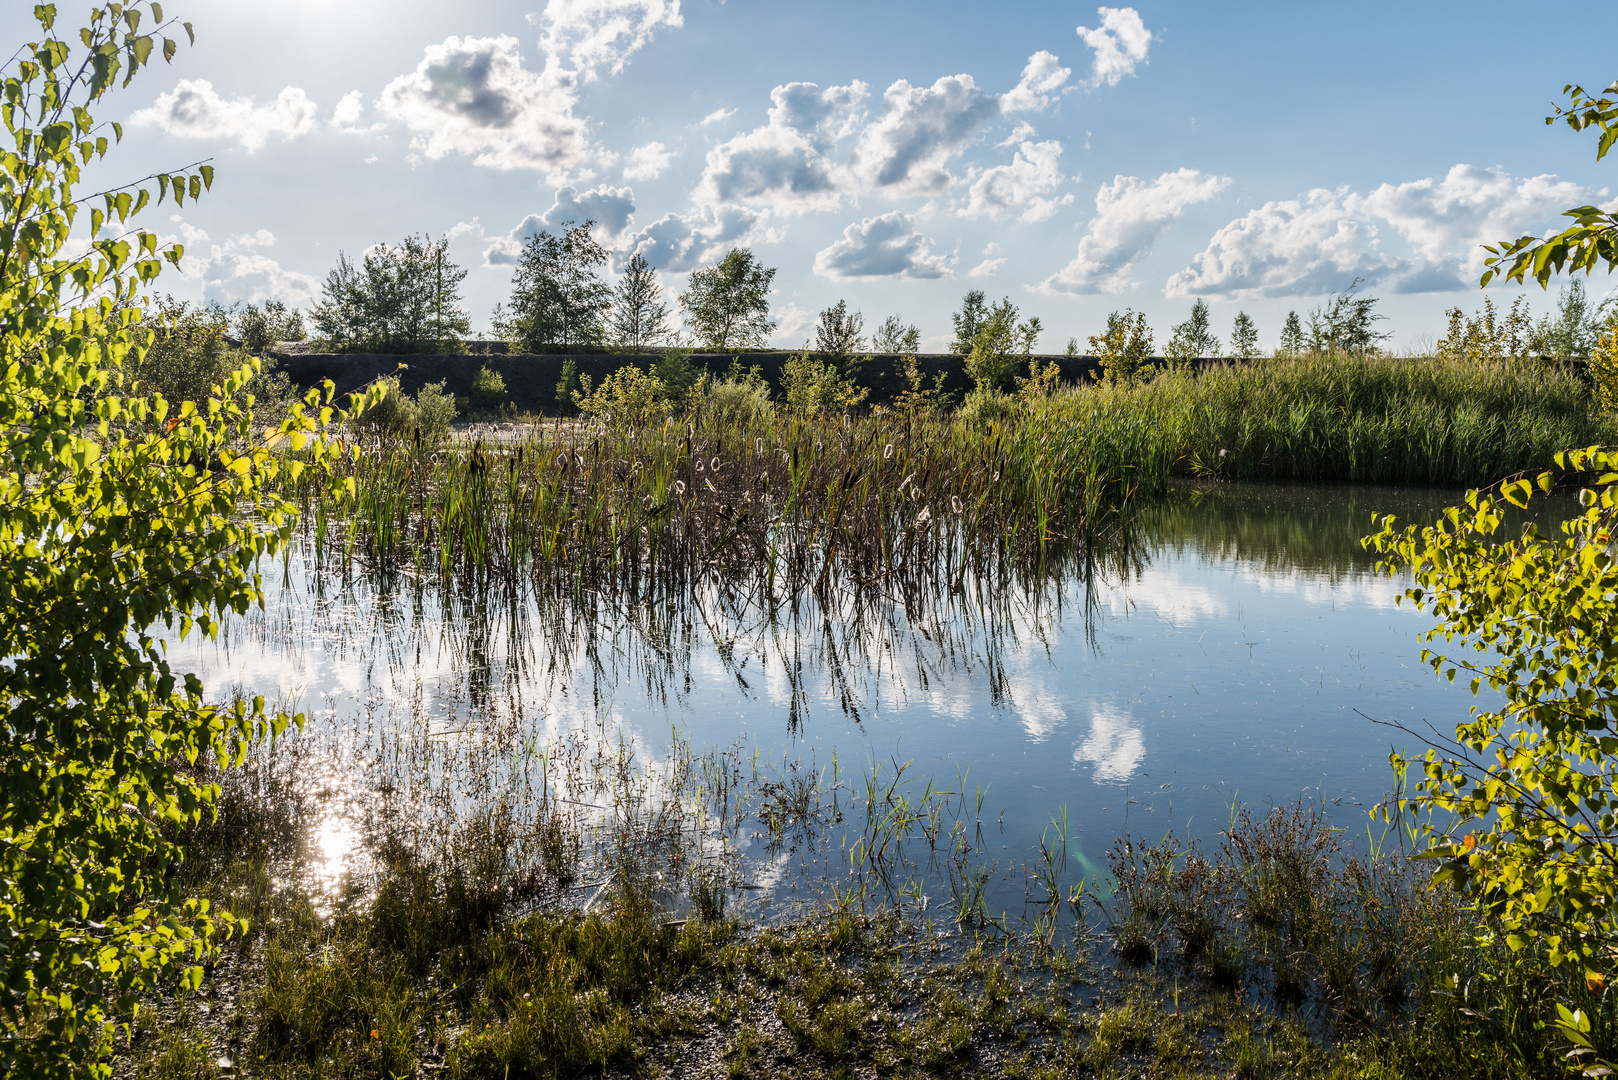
587,34
1120,43
612,210
718,116
787,165
348,110
1130,215
1026,184
1289,247
465,228
647,162
921,128
238,271
680,242
990,265
1042,76
1322,241
195,110
885,246
475,96
1447,220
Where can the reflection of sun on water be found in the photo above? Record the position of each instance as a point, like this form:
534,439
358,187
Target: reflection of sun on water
333,844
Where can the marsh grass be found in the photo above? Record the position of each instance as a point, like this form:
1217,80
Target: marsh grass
1376,419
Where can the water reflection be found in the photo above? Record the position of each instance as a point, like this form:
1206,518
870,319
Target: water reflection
1231,645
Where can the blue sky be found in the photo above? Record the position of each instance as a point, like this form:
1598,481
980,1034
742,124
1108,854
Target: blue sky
1076,159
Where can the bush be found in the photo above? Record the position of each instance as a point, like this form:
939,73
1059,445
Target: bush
984,405
680,379
435,408
812,386
627,396
488,389
741,400
396,414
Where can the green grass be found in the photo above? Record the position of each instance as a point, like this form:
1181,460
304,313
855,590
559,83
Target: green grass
1392,420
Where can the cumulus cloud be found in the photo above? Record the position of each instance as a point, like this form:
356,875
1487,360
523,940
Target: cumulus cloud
590,34
680,242
1131,214
885,246
475,96
1120,43
612,210
1042,76
647,162
1026,184
788,164
921,128
990,265
1323,240
239,271
195,110
1289,247
1447,219
718,116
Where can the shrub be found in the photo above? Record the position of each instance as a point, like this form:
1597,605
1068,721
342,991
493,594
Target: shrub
982,405
743,400
627,396
812,386
567,388
396,414
679,377
435,408
1124,347
488,389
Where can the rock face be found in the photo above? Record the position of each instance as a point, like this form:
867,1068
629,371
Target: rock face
531,380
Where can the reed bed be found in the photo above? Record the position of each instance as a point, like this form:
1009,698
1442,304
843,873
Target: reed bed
1393,420
779,505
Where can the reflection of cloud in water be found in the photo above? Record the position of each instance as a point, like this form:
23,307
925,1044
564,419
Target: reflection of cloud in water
1367,589
1114,745
1165,592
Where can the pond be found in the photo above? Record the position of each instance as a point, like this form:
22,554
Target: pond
1235,645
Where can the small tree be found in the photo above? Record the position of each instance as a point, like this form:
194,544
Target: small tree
1194,338
567,387
559,301
1292,341
1243,337
1346,324
1124,347
1001,346
896,338
812,386
728,305
126,515
400,299
639,316
839,334
972,313
1488,337
1572,334
259,328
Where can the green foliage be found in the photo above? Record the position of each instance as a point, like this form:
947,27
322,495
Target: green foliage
1603,368
917,396
261,327
1124,347
567,387
896,338
435,409
488,389
559,301
1193,339
973,311
1592,239
1243,337
728,305
628,397
189,356
404,299
839,336
1346,324
1527,795
1486,336
1000,346
1572,334
813,386
639,315
741,396
121,515
1292,340
680,379
983,405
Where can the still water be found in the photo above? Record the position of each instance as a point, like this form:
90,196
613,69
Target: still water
1239,646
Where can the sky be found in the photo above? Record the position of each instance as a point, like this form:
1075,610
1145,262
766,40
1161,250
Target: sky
1077,159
